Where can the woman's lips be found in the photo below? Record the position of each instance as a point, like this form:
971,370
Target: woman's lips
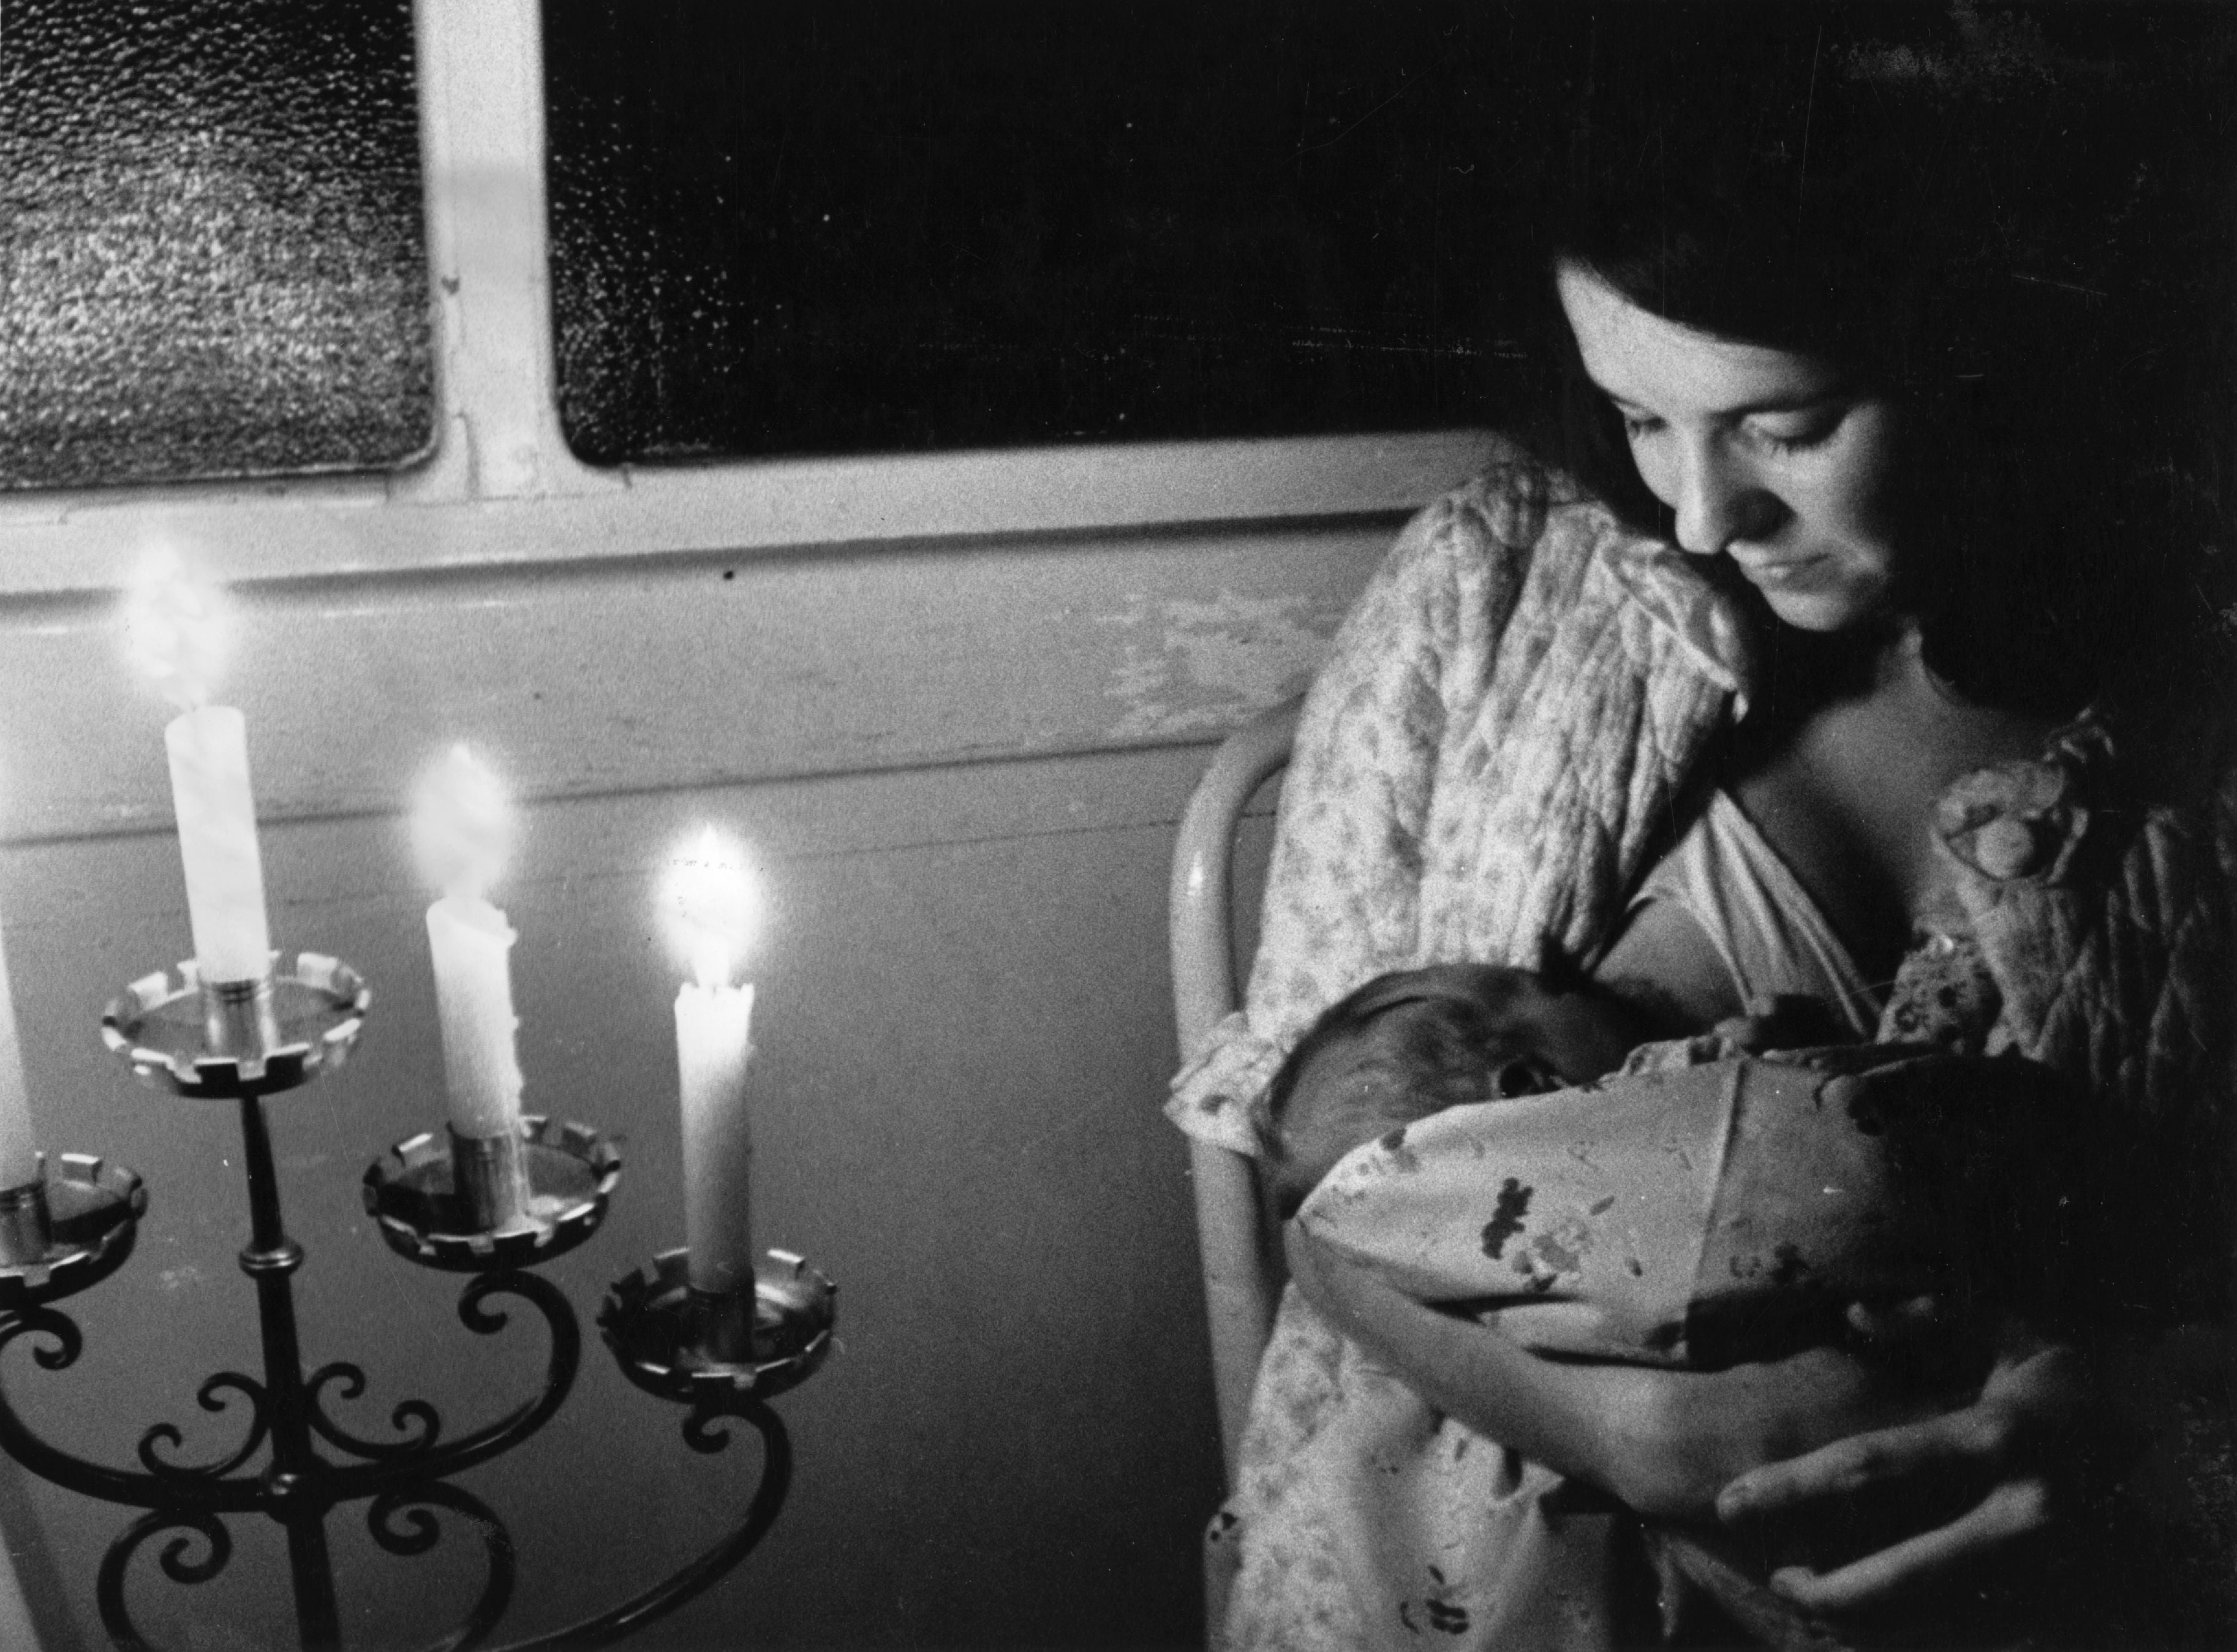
1777,570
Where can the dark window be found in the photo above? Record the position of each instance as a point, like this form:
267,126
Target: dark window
827,225
211,256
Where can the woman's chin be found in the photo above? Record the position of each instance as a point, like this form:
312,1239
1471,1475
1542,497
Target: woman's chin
1828,611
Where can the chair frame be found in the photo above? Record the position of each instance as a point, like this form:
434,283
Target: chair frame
1242,1264
1238,1240
1235,1232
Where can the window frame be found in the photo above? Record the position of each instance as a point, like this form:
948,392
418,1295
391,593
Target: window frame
500,485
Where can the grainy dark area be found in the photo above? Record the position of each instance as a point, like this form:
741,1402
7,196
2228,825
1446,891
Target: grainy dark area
852,226
211,255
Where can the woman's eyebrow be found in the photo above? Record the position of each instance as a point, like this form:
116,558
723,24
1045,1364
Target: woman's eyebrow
1810,402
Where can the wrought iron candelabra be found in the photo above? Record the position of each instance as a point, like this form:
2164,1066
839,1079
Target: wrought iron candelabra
440,1201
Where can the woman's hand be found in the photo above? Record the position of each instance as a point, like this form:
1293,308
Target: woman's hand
1956,1499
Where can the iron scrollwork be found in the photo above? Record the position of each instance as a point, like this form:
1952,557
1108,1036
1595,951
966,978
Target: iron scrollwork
278,1468
403,1478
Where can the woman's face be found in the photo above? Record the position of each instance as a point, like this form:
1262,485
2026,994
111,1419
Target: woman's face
1767,457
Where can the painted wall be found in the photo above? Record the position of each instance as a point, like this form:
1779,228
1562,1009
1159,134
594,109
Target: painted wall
961,764
957,700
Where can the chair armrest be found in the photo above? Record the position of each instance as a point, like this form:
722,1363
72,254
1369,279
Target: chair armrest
1241,1282
1242,1270
1201,904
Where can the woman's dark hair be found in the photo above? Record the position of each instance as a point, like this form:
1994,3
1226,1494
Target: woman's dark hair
2017,225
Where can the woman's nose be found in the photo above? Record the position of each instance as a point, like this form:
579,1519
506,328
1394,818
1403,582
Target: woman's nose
1718,501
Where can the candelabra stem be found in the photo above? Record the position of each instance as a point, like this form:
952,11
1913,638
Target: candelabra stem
267,1235
270,1260
318,1620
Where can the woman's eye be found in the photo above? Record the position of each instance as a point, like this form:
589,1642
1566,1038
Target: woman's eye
1637,424
1795,438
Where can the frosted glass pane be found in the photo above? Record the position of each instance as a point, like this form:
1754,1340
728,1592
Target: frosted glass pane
211,257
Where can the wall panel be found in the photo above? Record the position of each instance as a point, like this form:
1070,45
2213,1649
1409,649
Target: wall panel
597,678
962,767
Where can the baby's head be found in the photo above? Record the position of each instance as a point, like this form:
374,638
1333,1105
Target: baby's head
1416,1042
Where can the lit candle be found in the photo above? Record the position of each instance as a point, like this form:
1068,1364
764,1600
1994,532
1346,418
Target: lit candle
177,633
462,828
713,906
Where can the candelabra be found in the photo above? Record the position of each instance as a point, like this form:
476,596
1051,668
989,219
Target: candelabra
432,1201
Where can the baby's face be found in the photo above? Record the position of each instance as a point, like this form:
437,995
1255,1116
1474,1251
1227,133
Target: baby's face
1511,1036
1569,1037
1351,1093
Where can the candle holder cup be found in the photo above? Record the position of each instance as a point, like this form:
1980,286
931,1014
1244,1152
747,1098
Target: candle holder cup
229,1040
466,1203
241,1019
25,1221
71,1228
681,1343
489,1181
723,1324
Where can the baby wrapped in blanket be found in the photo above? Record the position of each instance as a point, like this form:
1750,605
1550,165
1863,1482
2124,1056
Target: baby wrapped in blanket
1713,1200
1395,1516
1704,1205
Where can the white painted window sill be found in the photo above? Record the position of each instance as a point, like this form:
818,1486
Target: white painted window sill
434,518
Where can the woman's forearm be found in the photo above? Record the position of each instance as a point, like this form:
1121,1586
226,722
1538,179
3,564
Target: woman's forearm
1663,1441
1479,1375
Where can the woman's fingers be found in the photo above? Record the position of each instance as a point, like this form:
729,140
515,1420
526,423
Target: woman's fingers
1969,1443
1896,1323
2012,1513
1942,1509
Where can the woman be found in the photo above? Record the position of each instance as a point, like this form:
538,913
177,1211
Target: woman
1912,574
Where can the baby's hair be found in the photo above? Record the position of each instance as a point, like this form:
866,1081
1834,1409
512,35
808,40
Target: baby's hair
1439,1053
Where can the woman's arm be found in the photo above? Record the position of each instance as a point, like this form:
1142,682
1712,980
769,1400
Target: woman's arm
1915,1497
1906,1510
1666,1442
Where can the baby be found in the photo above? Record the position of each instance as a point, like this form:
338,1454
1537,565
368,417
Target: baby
1416,1042
1690,1202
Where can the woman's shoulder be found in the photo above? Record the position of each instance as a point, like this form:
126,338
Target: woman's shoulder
1518,521
1515,504
1524,544
1520,508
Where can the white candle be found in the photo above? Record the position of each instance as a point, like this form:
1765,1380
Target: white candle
462,828
714,1027
177,634
471,943
19,1153
712,905
216,812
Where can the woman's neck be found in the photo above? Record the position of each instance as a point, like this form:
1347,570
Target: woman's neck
1843,774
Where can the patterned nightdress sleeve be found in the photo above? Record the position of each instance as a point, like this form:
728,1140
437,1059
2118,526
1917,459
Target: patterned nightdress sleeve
1343,887
2107,926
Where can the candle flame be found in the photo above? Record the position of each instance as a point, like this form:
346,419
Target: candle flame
712,904
175,625
461,824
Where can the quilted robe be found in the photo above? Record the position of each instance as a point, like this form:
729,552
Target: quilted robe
1498,746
